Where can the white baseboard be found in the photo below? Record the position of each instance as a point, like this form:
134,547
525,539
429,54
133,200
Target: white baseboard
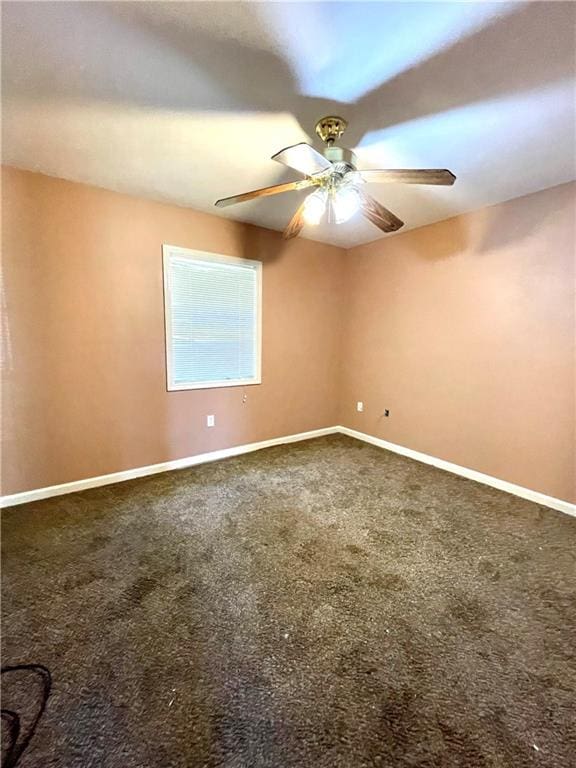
202,458
471,474
189,461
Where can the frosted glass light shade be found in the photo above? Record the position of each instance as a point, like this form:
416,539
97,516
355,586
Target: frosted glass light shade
314,207
345,203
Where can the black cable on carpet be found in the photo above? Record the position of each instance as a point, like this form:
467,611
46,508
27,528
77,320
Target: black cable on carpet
12,720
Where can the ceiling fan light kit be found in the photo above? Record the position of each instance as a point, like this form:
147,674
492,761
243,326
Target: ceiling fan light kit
339,184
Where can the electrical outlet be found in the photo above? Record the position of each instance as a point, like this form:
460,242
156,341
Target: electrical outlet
210,420
386,412
359,406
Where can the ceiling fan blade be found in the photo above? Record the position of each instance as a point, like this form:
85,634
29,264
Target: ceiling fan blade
378,215
295,224
303,158
439,176
275,190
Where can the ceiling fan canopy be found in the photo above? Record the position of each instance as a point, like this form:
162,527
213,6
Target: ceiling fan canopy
336,185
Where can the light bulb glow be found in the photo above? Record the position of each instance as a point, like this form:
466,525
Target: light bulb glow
314,207
345,204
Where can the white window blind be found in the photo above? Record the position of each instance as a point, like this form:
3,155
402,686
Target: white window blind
213,318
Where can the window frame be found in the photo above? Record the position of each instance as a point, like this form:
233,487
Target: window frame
168,251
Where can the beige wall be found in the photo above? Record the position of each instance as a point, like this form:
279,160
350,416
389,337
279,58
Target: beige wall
84,384
464,330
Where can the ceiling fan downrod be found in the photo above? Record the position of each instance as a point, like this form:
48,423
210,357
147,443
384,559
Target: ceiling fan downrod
330,129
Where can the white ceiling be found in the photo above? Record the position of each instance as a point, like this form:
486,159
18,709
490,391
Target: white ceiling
186,102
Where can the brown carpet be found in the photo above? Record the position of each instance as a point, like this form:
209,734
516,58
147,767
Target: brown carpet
325,604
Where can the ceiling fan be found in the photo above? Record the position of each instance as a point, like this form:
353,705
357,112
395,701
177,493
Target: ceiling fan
338,183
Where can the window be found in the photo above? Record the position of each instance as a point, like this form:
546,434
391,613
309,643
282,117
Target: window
213,319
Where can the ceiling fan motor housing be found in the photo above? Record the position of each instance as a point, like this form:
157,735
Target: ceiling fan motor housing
341,155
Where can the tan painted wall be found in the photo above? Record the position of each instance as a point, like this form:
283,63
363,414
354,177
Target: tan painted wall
84,384
465,331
